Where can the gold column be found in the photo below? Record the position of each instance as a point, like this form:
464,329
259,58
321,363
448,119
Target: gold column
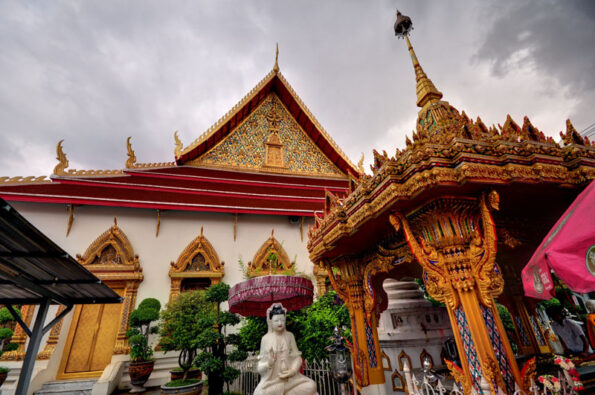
320,275
121,346
20,337
52,341
457,250
349,284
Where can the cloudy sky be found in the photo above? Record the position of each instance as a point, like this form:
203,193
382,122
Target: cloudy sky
94,72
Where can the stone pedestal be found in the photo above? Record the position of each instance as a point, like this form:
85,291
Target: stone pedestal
409,329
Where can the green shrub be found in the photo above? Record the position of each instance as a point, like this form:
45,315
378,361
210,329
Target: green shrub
213,360
140,328
180,382
6,333
180,325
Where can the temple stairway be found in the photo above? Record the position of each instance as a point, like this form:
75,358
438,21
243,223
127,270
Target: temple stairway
67,387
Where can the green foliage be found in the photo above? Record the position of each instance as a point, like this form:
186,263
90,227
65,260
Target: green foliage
213,360
544,304
252,330
181,382
6,333
6,317
217,293
506,319
314,326
182,321
150,303
4,370
140,328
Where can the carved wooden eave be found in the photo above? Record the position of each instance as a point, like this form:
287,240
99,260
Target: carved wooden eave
464,157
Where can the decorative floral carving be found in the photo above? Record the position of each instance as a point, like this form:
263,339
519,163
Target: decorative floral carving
270,258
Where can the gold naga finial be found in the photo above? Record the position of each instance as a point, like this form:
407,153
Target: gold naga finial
425,89
60,168
131,156
276,66
179,145
360,164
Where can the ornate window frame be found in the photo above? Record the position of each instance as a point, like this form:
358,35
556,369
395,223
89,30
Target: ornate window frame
260,265
178,270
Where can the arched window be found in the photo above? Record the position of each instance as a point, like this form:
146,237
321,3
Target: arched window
197,267
270,258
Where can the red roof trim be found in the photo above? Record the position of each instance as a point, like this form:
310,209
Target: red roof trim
9,196
238,181
191,191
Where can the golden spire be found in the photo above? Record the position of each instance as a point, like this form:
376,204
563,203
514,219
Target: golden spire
276,66
425,89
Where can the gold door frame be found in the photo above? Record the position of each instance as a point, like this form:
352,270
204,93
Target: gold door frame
123,272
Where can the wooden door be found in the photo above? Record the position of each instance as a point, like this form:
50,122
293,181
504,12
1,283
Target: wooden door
91,339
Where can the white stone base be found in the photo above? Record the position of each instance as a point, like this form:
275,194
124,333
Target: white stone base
376,389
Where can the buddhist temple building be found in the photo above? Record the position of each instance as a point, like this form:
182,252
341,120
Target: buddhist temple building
252,182
463,206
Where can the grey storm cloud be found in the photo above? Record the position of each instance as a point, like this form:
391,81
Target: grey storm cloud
94,72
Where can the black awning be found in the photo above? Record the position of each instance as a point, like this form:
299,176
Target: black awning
33,268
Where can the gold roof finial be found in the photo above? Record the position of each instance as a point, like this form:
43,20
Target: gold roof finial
130,152
60,169
276,66
425,89
179,145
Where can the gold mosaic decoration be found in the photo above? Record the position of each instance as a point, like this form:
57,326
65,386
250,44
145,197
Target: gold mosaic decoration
269,127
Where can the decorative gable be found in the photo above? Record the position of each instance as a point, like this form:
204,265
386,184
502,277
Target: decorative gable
271,140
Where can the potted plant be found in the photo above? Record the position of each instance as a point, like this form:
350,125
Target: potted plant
141,353
6,334
214,358
178,330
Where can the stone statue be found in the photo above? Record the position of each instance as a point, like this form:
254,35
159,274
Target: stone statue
280,360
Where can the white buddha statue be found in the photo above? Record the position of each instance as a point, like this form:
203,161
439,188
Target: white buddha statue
280,360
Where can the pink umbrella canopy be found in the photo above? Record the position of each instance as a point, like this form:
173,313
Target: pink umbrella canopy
568,250
254,296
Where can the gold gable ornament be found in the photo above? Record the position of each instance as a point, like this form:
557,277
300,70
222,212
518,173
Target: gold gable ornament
274,145
270,258
198,261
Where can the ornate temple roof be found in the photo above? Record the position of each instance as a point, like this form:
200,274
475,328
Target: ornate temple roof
268,155
450,154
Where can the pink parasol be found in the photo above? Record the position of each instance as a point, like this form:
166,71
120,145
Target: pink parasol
568,249
254,296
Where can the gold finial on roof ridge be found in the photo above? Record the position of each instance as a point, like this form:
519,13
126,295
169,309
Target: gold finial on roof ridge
276,66
179,145
62,165
131,156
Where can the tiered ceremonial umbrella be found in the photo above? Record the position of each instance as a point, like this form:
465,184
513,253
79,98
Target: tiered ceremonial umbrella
568,250
252,297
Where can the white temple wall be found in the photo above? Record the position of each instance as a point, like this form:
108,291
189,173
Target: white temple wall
177,230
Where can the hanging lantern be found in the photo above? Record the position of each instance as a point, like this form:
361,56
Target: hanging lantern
340,358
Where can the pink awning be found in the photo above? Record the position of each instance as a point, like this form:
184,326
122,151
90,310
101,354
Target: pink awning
568,250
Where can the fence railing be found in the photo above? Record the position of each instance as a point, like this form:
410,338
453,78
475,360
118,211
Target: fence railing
317,371
430,384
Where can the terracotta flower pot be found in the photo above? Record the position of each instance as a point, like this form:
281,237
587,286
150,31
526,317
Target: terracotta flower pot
139,372
191,389
193,373
3,376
